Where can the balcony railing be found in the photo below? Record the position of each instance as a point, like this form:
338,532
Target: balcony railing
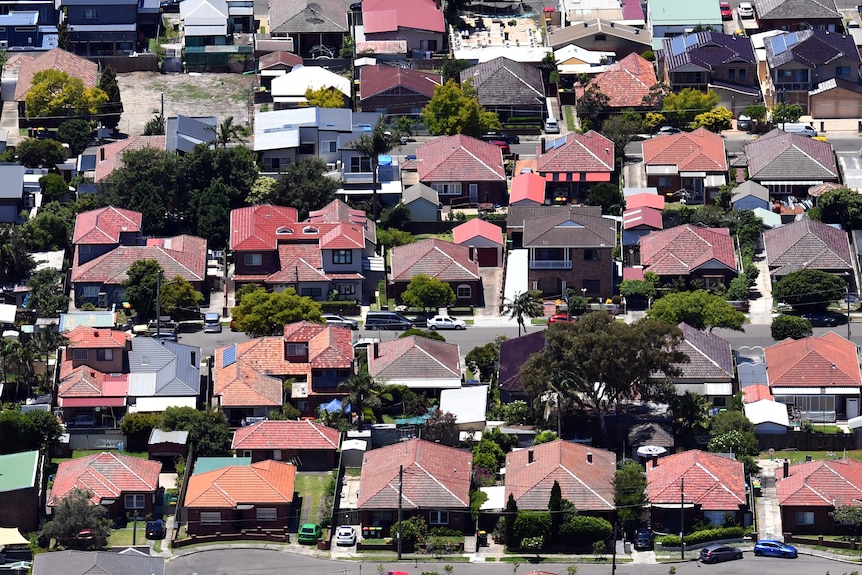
794,86
551,264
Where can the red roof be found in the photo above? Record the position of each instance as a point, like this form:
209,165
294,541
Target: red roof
83,337
303,434
757,392
104,226
684,249
254,228
390,15
477,228
379,78
654,201
106,475
633,274
435,258
698,151
184,256
110,156
714,482
626,82
459,158
280,59
85,382
590,152
825,361
642,217
56,59
529,187
822,484
263,483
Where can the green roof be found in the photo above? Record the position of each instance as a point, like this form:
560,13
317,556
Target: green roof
204,464
688,13
18,470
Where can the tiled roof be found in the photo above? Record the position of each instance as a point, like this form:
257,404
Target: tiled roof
710,357
714,482
590,152
291,435
569,226
337,212
571,34
825,361
585,475
113,153
266,482
757,392
698,151
796,9
626,82
94,338
374,80
255,227
103,226
749,188
683,249
390,15
56,59
414,357
309,16
435,258
477,228
806,244
184,256
637,217
811,48
106,475
278,59
84,381
74,562
504,82
513,354
435,477
459,158
822,484
710,50
527,187
644,200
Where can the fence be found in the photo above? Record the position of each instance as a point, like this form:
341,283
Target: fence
124,64
808,441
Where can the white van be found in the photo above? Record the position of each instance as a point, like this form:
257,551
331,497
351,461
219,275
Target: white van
798,128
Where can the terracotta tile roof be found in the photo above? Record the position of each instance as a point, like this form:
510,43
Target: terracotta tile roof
84,381
280,59
528,187
683,249
343,237
643,216
654,201
379,78
710,357
254,228
757,392
513,354
390,15
299,435
94,338
714,482
698,151
590,152
435,258
589,485
477,228
56,59
806,244
779,155
569,226
103,226
825,361
184,256
505,82
298,262
435,476
113,153
337,212
822,484
626,82
266,482
459,158
414,357
106,475
633,274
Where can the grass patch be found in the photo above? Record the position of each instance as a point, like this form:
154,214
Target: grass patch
569,113
488,559
229,87
157,546
352,472
447,236
538,321
312,487
123,537
799,456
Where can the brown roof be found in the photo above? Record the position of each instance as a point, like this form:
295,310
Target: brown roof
56,59
806,244
826,361
266,482
291,435
435,477
106,475
414,358
513,354
184,256
684,249
626,82
781,156
699,151
459,158
113,153
711,481
590,152
505,82
279,59
569,226
435,258
379,78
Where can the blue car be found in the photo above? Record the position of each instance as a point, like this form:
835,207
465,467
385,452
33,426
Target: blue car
773,548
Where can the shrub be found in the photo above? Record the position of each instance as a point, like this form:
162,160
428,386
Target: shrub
791,326
585,528
531,524
705,536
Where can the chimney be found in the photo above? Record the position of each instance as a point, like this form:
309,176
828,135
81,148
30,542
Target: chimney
375,349
786,468
542,145
590,457
530,456
102,154
654,462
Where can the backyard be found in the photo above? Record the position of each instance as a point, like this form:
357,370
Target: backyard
312,487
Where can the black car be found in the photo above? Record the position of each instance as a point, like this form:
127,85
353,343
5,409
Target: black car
824,319
156,529
643,538
716,553
508,138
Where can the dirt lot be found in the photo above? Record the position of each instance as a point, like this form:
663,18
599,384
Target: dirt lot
218,95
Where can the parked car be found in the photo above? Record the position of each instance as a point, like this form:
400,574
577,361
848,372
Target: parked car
212,323
309,533
643,538
504,147
156,529
825,319
773,548
446,322
716,553
345,535
508,138
726,10
387,320
745,10
165,335
559,317
551,126
340,321
743,122
668,130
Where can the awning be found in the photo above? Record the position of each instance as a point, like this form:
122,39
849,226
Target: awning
692,174
661,170
672,505
714,181
790,182
92,402
11,536
159,404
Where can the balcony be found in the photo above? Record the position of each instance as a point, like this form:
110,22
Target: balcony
551,264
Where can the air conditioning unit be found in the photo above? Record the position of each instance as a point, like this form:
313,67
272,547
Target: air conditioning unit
4,44
330,166
103,299
29,201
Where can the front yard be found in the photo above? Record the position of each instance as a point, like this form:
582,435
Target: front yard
312,487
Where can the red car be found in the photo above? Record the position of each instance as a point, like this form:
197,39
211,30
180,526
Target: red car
726,11
559,317
504,146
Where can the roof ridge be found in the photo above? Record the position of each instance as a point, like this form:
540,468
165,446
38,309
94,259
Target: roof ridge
583,483
440,483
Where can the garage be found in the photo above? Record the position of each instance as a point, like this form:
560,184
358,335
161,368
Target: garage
484,239
835,99
487,257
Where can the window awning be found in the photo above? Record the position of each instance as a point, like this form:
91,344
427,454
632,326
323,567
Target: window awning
692,174
790,182
92,402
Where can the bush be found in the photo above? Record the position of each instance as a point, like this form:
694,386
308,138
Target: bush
791,326
705,536
585,528
445,532
531,524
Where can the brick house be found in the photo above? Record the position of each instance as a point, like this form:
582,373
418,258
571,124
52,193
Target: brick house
419,23
571,164
308,445
20,490
789,164
793,15
416,362
625,83
507,87
808,492
396,90
691,253
463,170
690,165
789,248
56,59
438,259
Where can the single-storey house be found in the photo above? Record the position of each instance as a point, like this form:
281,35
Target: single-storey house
307,445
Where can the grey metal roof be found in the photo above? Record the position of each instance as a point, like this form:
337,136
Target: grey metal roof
184,132
796,9
12,181
163,369
304,16
102,562
749,188
420,191
162,436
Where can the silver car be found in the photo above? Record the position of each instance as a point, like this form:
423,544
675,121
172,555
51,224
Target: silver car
340,321
446,322
212,323
345,535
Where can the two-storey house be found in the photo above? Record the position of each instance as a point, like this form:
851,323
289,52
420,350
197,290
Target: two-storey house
669,18
691,165
28,26
571,164
102,27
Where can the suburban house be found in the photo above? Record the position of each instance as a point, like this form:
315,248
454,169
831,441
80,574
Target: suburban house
513,354
528,189
809,492
713,491
72,562
288,90
463,170
396,90
788,164
794,15
239,497
20,490
723,63
507,87
99,231
689,165
121,483
668,18
56,59
107,28
749,195
307,445
420,24
626,82
317,27
205,23
13,197
585,475
808,244
249,377
100,349
436,485
275,64
691,253
416,362
637,223
483,238
423,203
603,35
445,261
571,164
709,371
109,157
163,374
183,133
818,376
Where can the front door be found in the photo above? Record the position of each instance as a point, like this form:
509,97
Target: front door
852,407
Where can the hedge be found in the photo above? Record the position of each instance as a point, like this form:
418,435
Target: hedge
531,524
579,529
705,536
340,307
524,120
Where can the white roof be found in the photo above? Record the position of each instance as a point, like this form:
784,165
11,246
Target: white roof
587,56
358,444
767,411
516,53
204,12
467,404
159,404
496,498
52,260
301,78
162,436
7,313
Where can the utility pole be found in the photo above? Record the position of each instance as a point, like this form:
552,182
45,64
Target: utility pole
614,543
400,496
848,311
682,518
158,302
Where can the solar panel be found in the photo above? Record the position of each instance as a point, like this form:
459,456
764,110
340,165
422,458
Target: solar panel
228,356
778,45
677,45
690,40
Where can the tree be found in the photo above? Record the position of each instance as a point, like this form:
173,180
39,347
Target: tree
364,391
50,230
76,133
441,427
524,305
397,216
809,289
592,107
590,362
699,309
15,260
841,206
227,132
849,516
555,508
34,153
379,142
112,110
452,68
261,313
304,186
46,295
682,107
655,97
621,130
652,120
413,529
730,420
689,414
483,359
210,434
55,93
630,497
53,187
73,514
46,427
714,120
734,441
790,326
782,112
155,126
645,288
392,238
455,109
608,196
261,191
137,428
325,97
489,455
140,284
510,515
428,293
179,298
430,334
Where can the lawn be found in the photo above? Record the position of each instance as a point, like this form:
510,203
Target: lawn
123,537
799,456
312,488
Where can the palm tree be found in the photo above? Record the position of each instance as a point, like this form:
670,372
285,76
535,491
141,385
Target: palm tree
524,304
379,142
227,132
364,391
15,259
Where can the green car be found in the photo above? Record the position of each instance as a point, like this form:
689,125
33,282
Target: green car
309,533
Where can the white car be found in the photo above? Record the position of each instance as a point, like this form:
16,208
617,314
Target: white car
345,535
340,321
446,322
745,10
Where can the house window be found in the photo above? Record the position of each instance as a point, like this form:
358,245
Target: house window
312,292
592,286
346,289
104,355
25,28
135,501
716,518
328,146
246,452
302,405
305,149
438,518
711,282
266,514
80,354
342,256
294,349
272,164
742,74
842,71
428,45
253,259
592,255
464,291
731,74
664,181
805,518
453,189
210,517
89,292
90,14
719,402
360,164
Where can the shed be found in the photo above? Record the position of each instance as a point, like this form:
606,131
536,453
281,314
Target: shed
468,405
423,203
483,238
769,417
168,444
352,452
